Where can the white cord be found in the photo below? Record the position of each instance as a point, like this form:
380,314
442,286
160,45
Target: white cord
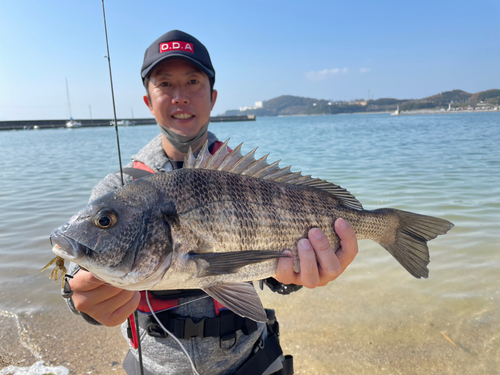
171,335
185,303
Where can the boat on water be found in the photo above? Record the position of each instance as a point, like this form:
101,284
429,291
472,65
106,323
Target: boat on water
396,112
122,123
73,123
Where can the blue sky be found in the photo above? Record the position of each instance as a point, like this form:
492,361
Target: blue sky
335,50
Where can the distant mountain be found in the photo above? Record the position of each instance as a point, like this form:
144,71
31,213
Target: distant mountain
288,105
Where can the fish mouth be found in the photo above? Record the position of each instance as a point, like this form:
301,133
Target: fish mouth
66,247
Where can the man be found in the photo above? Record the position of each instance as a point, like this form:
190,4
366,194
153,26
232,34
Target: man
179,79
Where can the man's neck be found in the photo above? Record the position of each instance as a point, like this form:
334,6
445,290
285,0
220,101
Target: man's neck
175,154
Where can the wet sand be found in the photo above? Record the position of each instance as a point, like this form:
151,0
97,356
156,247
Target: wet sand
61,340
355,333
317,326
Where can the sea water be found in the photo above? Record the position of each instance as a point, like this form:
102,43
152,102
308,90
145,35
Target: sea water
446,165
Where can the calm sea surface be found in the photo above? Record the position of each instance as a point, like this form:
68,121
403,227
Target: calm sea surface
446,165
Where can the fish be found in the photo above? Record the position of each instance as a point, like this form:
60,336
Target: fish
223,221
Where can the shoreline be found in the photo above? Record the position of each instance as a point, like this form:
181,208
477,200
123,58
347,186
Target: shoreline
61,339
57,124
405,113
426,112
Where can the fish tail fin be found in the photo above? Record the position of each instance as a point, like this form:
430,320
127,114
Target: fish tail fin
408,244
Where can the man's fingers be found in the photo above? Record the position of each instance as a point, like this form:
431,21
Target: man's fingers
348,243
284,271
107,312
319,263
90,292
328,263
84,300
309,274
84,281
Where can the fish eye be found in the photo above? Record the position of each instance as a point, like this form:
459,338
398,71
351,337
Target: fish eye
106,218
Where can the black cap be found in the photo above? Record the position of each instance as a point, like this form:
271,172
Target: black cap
177,44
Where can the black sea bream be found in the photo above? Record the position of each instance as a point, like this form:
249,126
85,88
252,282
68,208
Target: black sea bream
222,220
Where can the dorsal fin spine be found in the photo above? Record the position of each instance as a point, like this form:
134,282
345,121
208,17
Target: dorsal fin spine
288,178
203,156
268,169
255,166
189,159
278,173
241,164
218,156
230,159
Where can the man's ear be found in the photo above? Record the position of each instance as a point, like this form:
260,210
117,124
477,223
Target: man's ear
148,103
214,98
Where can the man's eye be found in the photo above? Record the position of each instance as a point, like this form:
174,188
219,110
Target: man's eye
193,81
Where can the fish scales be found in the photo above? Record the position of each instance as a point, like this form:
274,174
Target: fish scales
238,213
224,220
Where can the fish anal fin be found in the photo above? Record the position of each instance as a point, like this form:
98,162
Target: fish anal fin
241,298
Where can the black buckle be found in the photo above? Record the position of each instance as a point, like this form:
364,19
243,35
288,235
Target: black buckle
155,330
192,329
228,337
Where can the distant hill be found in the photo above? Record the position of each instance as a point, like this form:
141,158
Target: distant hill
288,105
488,96
441,100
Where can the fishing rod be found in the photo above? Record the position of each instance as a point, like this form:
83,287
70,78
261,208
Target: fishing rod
136,315
112,93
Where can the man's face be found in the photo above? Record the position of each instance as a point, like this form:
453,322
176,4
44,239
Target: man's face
180,97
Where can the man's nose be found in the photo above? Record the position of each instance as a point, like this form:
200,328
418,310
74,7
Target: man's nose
180,97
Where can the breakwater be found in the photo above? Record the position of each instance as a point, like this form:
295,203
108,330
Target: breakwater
52,124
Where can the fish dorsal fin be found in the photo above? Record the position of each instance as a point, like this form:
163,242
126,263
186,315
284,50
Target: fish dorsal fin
235,162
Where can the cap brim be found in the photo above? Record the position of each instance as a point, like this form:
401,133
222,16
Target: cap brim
207,71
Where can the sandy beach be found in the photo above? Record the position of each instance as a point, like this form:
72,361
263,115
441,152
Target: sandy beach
322,336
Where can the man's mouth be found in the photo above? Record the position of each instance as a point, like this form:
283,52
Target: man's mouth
182,116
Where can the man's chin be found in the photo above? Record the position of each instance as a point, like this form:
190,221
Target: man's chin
184,128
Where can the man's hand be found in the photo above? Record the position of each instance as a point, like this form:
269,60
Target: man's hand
107,304
319,263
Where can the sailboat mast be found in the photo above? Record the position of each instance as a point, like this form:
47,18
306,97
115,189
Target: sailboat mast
67,94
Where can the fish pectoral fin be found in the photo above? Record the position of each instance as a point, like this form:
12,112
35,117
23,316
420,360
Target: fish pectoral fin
241,298
210,264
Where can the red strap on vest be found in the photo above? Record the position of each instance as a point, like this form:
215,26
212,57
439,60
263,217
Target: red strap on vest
166,304
156,304
141,165
218,307
217,145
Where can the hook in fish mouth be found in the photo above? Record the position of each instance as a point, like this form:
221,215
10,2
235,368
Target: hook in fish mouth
66,247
